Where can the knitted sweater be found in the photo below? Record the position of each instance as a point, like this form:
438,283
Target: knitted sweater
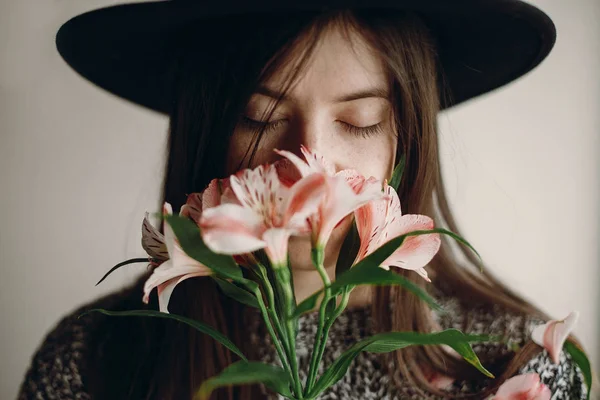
58,367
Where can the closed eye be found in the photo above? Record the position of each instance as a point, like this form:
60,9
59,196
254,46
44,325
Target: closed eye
364,131
260,125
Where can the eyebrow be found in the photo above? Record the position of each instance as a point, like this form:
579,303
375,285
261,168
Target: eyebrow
359,94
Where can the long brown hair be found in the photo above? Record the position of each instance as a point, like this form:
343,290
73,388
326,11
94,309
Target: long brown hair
211,86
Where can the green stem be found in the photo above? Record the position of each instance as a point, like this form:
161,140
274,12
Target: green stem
272,307
282,279
315,357
280,351
329,323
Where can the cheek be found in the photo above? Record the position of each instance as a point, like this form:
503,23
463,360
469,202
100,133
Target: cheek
240,150
373,156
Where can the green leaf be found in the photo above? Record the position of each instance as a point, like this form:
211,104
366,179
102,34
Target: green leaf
386,342
375,259
367,275
244,372
348,251
445,232
121,264
367,271
237,293
397,174
307,304
330,308
188,235
582,362
204,328
389,341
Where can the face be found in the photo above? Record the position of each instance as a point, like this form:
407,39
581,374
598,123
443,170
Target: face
339,107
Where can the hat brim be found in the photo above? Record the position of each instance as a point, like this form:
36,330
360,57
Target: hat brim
483,44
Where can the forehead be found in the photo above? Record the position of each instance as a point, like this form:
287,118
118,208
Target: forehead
339,64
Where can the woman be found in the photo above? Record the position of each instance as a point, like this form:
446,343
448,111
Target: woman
362,87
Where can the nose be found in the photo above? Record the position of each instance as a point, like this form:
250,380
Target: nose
317,137
310,134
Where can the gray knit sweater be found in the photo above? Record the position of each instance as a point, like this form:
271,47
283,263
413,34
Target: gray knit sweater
57,369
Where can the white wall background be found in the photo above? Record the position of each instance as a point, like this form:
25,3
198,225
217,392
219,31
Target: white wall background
79,168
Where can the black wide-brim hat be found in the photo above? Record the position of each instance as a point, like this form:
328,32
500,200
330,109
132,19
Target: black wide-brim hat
482,44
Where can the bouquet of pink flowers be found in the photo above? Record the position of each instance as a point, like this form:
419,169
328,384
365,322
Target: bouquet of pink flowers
236,232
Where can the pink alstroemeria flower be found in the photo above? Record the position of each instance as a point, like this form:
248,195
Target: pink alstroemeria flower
208,198
340,198
439,380
380,221
523,387
217,192
268,213
176,269
552,334
153,242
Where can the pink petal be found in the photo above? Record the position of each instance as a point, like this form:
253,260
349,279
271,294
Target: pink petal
211,196
340,201
245,260
194,206
369,220
227,194
180,258
382,220
287,172
523,387
166,289
276,240
543,393
303,168
208,198
257,188
153,242
167,209
416,251
176,253
178,267
379,212
232,229
228,197
440,381
169,235
356,180
394,209
156,278
225,242
304,199
553,334
168,271
423,274
317,162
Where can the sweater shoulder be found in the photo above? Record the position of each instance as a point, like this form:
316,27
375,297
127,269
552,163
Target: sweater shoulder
564,379
486,319
59,366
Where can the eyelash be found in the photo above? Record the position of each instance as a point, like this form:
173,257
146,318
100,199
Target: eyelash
257,125
365,131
